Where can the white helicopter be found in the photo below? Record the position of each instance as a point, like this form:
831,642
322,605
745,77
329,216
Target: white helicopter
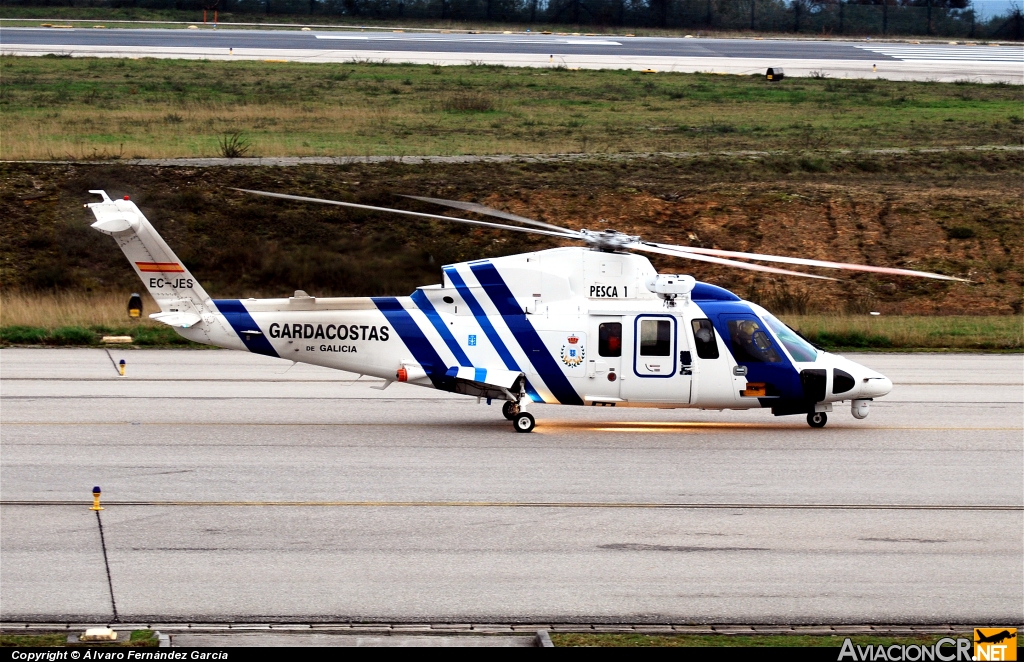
593,325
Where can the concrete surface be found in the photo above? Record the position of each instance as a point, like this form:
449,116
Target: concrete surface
837,59
340,502
264,639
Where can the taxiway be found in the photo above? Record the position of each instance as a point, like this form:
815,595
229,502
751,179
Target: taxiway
834,58
240,488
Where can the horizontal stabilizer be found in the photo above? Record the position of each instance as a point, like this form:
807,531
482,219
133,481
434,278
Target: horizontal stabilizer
182,320
485,382
499,378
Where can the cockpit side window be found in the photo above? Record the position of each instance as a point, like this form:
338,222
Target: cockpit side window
798,348
750,344
704,339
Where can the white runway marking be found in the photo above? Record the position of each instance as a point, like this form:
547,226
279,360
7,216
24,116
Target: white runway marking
550,42
956,53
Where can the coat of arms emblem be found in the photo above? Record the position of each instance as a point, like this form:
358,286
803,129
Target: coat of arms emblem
573,351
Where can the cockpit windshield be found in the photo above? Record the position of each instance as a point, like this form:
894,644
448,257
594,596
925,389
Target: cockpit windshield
798,348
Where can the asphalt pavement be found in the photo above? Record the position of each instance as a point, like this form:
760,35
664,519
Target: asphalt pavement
798,57
239,487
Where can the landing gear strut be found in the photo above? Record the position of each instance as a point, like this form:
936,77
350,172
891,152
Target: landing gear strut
509,409
817,419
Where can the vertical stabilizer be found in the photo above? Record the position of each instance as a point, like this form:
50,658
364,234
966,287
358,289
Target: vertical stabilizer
183,302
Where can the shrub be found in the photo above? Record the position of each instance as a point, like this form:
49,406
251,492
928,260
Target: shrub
830,339
22,335
479,103
810,164
234,146
157,336
71,335
959,232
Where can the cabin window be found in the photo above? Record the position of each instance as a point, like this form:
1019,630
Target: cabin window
750,344
655,338
704,339
609,339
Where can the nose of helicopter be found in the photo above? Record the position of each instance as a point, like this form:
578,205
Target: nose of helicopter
875,385
867,382
871,384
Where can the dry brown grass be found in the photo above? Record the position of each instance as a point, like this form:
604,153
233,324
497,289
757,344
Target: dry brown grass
107,309
86,309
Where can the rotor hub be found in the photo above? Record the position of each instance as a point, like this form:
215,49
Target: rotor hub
608,240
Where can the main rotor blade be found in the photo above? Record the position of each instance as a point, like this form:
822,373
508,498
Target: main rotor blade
284,196
813,263
490,211
662,250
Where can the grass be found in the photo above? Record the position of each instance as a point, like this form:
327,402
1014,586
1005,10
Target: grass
723,640
81,318
51,310
138,639
78,319
99,108
961,332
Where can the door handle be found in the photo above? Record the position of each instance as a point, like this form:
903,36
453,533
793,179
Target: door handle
739,370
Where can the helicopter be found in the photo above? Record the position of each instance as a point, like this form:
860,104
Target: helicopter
591,325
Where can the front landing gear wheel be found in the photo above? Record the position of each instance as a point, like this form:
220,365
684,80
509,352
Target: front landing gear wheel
523,422
817,419
509,410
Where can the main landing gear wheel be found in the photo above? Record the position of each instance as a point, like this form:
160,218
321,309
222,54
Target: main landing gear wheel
817,419
509,410
523,422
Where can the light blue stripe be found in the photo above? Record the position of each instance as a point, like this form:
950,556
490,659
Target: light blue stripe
480,375
423,303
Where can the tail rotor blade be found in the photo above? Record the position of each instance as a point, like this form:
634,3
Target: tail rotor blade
812,263
565,234
664,250
490,211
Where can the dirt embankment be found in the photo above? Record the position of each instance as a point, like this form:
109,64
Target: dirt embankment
959,214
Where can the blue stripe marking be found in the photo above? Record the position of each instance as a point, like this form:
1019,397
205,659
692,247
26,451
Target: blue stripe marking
411,334
485,324
525,334
782,375
480,375
423,303
240,320
482,319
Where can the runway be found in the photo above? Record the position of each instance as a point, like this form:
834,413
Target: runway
239,487
833,58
